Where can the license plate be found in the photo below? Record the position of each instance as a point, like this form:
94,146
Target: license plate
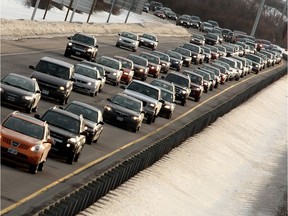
11,98
77,53
13,151
119,119
45,92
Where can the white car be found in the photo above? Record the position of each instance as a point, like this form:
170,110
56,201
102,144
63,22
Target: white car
128,40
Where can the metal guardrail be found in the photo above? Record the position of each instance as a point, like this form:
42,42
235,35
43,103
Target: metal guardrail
89,193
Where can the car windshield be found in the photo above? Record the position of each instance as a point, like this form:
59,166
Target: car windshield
183,51
138,60
182,81
150,37
24,127
198,37
87,113
162,56
174,55
167,96
215,71
62,121
94,65
126,64
109,63
192,47
19,82
162,85
85,71
194,78
150,58
205,76
127,103
129,35
53,69
83,39
143,89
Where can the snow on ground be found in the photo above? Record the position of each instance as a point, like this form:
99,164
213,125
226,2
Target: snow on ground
16,23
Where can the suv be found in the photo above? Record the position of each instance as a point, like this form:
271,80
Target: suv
197,57
68,132
55,78
149,95
182,86
82,45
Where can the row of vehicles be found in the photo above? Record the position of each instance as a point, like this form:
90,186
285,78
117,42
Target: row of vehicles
64,131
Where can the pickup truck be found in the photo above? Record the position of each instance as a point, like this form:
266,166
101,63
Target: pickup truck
149,95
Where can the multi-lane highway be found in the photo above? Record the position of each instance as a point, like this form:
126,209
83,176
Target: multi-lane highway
17,185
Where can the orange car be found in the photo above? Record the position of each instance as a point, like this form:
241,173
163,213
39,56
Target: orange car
26,140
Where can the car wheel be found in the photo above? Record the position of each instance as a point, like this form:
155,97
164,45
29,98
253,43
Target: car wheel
197,99
134,50
62,101
168,116
92,94
29,109
41,166
71,159
35,109
67,53
33,169
183,102
149,119
117,45
90,57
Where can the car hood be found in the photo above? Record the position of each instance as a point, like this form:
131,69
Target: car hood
123,109
140,96
83,78
147,40
48,78
15,90
18,137
127,39
195,85
61,132
81,44
175,60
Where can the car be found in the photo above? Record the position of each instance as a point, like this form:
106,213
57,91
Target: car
93,119
148,40
224,73
20,91
128,69
197,19
213,23
101,70
205,27
141,66
153,62
257,62
197,39
221,50
213,77
186,55
230,51
113,69
182,85
207,54
159,14
128,40
171,15
164,84
197,55
218,32
197,85
164,60
149,95
82,45
87,79
145,8
211,38
176,61
168,106
183,21
68,132
55,78
233,66
125,111
225,33
154,4
214,51
207,80
26,140
216,71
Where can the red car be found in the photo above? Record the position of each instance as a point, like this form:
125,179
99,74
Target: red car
128,69
153,62
160,14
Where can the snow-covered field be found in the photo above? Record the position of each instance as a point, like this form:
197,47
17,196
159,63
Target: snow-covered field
16,23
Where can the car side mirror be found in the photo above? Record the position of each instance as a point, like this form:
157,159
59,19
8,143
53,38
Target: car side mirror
38,91
109,99
101,122
32,67
37,116
123,87
72,79
97,46
69,38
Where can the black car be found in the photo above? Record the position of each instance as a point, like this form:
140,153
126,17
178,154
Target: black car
175,60
68,132
93,119
211,38
183,21
20,91
82,45
182,86
171,15
125,111
55,78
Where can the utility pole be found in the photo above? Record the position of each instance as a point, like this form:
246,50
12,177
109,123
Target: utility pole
35,8
257,18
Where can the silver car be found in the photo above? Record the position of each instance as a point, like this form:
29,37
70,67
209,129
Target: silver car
128,40
113,69
87,79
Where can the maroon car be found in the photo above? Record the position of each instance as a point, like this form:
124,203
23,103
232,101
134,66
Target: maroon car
160,14
128,69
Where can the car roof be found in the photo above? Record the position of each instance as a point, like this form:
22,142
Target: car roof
21,76
57,61
31,119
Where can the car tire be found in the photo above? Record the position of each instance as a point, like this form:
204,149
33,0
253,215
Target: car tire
35,109
70,159
134,50
149,119
183,102
168,116
41,166
28,110
67,53
197,99
33,169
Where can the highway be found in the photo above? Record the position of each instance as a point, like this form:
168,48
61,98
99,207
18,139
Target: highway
19,186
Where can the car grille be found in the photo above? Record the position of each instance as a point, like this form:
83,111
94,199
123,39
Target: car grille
48,86
81,81
80,47
126,41
16,144
178,90
121,114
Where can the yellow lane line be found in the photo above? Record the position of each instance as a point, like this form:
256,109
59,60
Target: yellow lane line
92,163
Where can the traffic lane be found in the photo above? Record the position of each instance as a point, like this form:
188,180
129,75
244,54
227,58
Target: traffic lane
55,168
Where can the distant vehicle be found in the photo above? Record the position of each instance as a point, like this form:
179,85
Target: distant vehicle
82,45
206,27
154,4
164,84
87,79
146,8
128,69
213,23
197,85
26,140
125,111
171,15
197,39
159,14
182,86
68,132
20,91
211,38
168,106
148,40
128,40
93,119
164,61
197,56
149,95
183,21
153,62
175,60
197,19
141,66
113,69
186,55
55,78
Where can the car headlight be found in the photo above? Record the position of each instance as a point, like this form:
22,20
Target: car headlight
167,106
141,70
36,148
1,90
89,50
135,118
62,88
142,40
194,56
114,74
69,44
152,105
89,83
108,108
184,91
205,83
177,62
163,64
152,43
152,67
120,39
29,98
133,43
70,141
126,73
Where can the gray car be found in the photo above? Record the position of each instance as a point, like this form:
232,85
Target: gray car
87,79
113,69
128,40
